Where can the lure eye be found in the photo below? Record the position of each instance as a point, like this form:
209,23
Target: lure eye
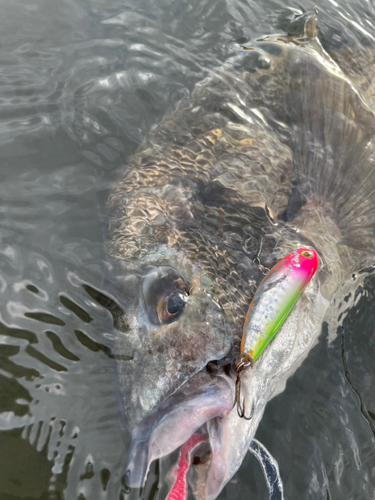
165,295
307,254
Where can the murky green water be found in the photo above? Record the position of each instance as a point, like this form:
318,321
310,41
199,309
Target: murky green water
81,83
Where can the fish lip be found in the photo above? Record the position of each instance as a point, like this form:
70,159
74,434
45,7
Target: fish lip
145,434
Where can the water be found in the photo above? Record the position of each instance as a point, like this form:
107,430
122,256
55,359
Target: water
81,84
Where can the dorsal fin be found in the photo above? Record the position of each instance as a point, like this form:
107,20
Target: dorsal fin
310,26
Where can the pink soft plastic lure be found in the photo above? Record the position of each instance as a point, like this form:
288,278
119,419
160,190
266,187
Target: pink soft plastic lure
272,303
179,489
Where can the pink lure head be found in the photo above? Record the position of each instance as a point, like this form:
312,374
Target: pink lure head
303,261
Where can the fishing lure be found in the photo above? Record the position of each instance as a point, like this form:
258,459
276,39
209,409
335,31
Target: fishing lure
272,302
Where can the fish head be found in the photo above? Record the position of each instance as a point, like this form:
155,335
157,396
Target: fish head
178,390
175,327
183,305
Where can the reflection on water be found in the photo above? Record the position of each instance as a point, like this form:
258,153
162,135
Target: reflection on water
81,83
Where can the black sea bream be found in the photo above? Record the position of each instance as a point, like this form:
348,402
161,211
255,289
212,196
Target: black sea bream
272,152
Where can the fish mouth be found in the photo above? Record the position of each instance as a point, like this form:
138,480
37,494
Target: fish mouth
199,407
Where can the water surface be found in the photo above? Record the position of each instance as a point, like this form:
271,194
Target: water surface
81,83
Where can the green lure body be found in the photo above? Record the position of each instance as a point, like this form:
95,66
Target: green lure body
274,299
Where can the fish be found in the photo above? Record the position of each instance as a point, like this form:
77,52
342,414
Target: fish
271,152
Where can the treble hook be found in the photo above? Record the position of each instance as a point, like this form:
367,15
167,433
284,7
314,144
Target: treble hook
242,365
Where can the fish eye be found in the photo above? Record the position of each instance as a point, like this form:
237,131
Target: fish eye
176,302
307,254
164,295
